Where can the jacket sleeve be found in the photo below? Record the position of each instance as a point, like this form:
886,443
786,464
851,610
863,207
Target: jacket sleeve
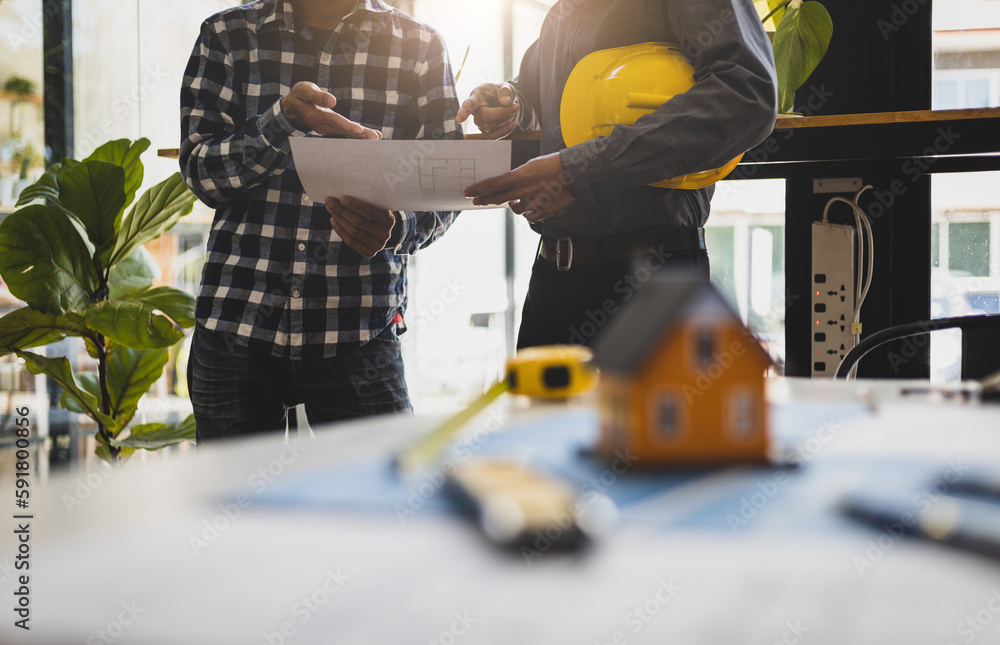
437,106
223,154
731,107
529,92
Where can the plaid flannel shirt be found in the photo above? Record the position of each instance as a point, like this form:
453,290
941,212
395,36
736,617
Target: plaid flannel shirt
277,278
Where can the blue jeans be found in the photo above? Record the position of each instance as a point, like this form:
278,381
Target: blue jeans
237,392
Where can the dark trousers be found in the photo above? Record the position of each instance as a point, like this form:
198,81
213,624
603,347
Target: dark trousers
238,392
572,307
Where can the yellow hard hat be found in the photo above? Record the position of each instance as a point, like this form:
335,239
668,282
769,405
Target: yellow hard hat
618,86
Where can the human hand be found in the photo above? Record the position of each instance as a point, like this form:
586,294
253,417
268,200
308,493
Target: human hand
363,227
493,108
536,190
310,108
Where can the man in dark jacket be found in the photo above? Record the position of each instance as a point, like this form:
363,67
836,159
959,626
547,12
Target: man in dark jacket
593,201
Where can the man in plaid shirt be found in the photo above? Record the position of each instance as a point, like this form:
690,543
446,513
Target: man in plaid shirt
299,300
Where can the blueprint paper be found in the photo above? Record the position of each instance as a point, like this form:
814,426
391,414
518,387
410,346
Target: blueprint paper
398,175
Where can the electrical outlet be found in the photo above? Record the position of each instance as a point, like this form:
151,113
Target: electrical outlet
832,296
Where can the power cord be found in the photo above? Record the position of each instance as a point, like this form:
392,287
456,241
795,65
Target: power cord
989,321
864,228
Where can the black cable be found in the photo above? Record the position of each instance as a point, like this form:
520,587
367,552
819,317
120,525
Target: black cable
990,321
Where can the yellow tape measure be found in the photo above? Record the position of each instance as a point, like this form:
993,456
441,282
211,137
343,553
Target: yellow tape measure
552,372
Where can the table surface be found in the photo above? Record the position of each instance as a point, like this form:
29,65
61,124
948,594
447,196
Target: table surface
314,541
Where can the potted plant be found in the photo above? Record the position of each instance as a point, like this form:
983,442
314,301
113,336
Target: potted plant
22,179
19,86
78,263
21,89
801,34
21,154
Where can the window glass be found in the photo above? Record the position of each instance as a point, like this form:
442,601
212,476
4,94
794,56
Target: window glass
977,93
668,417
969,249
141,97
745,235
965,208
22,154
456,343
706,345
945,95
743,414
22,133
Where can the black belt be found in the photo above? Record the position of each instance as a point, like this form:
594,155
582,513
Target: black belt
565,251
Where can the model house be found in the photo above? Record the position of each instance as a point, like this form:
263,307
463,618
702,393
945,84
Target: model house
682,380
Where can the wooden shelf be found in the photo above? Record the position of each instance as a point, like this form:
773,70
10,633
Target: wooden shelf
973,140
873,118
30,98
920,141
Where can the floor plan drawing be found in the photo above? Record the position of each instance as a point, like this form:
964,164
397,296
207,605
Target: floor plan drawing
447,176
398,175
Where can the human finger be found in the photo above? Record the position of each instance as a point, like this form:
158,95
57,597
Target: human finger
356,237
359,224
312,94
325,121
482,96
371,213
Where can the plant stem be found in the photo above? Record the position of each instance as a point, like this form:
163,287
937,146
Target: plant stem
102,374
774,11
102,370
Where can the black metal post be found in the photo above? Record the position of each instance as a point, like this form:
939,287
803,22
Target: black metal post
57,43
510,316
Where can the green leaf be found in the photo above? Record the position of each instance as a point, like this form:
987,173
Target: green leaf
153,436
104,452
47,188
133,324
26,328
94,191
800,43
124,154
131,372
45,262
156,212
59,370
178,305
135,273
90,383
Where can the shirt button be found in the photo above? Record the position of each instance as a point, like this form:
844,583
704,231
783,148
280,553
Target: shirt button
326,59
306,200
296,294
302,247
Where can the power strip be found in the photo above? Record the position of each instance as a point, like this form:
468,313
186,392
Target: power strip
832,296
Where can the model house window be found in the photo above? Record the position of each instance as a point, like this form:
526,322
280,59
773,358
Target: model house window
743,414
706,345
669,417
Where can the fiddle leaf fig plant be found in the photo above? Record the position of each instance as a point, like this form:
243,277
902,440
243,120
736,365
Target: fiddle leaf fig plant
803,31
79,263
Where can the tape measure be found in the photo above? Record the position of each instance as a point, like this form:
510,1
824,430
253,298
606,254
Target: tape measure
550,372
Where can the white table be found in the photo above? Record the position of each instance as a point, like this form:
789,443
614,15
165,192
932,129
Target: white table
137,559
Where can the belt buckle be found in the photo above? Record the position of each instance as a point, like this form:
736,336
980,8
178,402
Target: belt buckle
564,253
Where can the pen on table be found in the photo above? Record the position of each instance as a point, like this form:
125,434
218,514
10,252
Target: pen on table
967,524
